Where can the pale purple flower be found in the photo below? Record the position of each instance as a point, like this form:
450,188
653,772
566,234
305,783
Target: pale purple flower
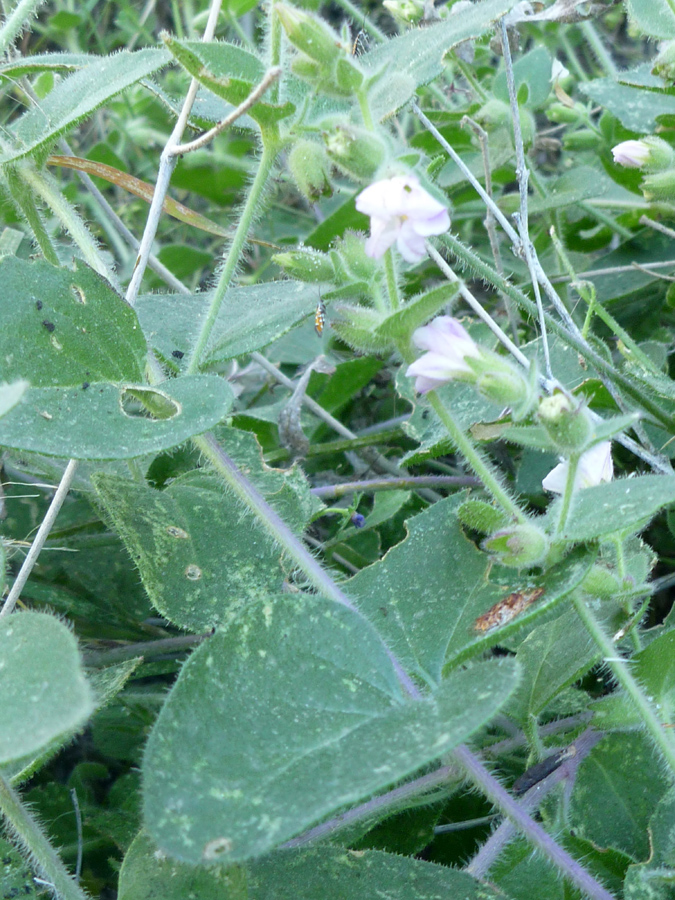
595,466
401,212
632,154
448,346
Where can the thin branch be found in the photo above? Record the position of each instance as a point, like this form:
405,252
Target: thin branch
40,538
489,785
522,174
615,270
574,755
468,174
282,535
166,166
411,483
269,78
489,220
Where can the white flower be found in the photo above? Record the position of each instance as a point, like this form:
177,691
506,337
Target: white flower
632,154
595,466
448,346
558,71
402,212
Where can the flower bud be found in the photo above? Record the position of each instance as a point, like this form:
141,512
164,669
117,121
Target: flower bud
493,114
584,139
357,326
519,546
651,154
558,112
664,64
306,265
660,186
351,251
310,170
309,35
600,582
567,422
505,385
405,12
357,152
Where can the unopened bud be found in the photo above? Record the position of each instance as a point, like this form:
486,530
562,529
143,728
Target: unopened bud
584,139
660,186
519,547
351,251
651,154
664,64
502,383
310,170
600,582
558,112
567,422
357,152
309,35
405,12
306,265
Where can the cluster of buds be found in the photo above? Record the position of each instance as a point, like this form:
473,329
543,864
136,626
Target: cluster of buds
655,157
324,58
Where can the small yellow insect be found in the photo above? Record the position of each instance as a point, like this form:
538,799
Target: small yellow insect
320,317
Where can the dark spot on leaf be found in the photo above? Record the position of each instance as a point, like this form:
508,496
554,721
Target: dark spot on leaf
178,354
38,304
85,385
49,326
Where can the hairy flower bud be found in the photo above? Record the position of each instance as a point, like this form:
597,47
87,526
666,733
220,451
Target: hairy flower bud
519,546
309,35
567,422
357,152
651,154
306,265
310,170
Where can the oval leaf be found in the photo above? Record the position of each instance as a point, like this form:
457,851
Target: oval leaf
42,684
304,715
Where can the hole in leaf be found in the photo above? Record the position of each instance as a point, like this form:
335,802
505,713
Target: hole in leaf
147,403
78,294
193,572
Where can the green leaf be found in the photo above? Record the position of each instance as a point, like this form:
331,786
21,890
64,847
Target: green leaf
44,691
553,656
64,327
416,57
293,712
654,668
10,394
427,593
297,875
653,17
16,877
618,506
532,69
92,424
571,187
199,561
78,96
417,311
46,62
250,318
613,802
635,107
230,72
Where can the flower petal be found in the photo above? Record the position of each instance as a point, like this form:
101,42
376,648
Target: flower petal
383,233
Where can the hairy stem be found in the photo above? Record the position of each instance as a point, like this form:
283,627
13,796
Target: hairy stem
33,839
619,668
282,535
476,461
246,218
